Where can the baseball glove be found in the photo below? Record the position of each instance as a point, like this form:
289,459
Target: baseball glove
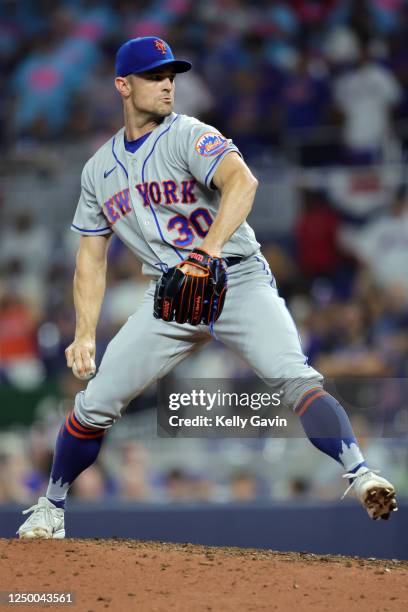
186,297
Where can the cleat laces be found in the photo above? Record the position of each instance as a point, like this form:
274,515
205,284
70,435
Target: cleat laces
36,519
354,478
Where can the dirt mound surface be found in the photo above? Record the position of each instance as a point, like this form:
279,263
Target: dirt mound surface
121,575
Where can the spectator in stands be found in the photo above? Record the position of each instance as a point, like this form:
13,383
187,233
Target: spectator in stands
194,97
19,359
46,79
41,89
100,101
300,487
134,483
243,109
25,240
125,290
243,487
304,97
312,12
317,225
353,353
178,486
382,246
367,95
92,485
14,469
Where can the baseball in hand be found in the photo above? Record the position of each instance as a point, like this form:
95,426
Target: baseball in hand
84,376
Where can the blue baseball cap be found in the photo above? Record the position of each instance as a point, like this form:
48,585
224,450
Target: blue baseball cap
142,54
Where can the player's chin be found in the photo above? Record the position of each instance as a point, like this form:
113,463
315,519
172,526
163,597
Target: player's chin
165,107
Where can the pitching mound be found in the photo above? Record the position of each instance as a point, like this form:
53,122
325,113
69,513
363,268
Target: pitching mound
120,575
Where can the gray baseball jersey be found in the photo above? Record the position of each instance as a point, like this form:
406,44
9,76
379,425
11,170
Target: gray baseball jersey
159,200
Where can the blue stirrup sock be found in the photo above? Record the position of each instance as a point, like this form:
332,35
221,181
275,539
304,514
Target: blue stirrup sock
76,448
328,427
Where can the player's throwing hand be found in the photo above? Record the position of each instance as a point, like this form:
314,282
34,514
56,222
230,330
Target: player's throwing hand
80,356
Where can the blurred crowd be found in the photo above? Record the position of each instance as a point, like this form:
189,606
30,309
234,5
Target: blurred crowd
133,466
317,87
288,68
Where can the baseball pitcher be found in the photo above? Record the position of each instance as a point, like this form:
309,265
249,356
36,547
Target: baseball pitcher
177,192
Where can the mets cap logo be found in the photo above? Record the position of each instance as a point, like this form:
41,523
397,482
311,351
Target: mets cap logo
210,143
159,44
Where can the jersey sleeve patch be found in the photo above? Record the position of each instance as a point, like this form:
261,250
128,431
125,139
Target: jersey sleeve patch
210,143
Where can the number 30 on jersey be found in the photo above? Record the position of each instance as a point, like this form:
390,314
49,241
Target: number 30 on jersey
196,224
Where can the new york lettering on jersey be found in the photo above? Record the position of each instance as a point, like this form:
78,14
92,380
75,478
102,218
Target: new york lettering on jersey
158,199
167,192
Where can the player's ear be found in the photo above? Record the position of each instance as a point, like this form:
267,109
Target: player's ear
123,86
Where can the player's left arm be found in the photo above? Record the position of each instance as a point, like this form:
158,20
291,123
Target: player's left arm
237,186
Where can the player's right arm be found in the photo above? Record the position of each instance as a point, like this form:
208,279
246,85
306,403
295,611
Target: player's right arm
89,290
90,271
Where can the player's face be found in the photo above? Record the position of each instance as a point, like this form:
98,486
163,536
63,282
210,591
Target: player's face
153,92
